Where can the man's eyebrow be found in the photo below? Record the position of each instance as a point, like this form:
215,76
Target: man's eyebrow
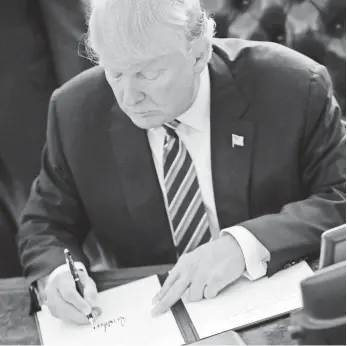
151,64
112,72
157,62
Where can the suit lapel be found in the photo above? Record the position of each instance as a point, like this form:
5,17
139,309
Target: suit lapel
141,187
230,165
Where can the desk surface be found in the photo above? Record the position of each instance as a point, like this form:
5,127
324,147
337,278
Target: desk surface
17,327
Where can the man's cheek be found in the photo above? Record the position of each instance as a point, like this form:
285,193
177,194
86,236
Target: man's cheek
158,96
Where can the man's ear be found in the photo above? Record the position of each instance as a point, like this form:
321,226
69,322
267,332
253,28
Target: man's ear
201,52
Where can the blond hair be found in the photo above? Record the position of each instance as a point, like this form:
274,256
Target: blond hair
127,32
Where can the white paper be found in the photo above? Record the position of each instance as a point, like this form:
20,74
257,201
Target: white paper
129,308
246,301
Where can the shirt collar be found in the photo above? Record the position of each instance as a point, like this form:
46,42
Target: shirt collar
197,115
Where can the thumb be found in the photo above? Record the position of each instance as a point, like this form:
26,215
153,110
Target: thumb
218,283
210,291
213,287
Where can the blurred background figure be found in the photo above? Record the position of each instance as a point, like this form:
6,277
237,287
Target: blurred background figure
316,28
39,44
10,200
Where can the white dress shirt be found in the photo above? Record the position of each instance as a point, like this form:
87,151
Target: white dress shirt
194,131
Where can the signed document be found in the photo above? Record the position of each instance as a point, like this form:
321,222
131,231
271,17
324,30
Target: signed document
126,320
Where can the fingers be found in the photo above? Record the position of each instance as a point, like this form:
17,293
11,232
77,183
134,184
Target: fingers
65,302
70,295
173,294
61,309
206,271
196,288
216,283
90,290
173,276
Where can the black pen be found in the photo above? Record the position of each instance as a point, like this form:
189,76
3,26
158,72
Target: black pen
78,283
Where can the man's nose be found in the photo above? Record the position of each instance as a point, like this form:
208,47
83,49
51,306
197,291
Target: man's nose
131,92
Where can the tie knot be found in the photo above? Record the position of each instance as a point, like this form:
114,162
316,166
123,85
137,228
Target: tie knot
171,127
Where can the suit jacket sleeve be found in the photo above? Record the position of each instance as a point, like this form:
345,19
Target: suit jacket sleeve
295,232
54,218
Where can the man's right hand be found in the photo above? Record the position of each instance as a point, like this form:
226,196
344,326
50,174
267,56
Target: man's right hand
65,303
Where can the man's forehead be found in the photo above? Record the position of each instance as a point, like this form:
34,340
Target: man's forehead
163,60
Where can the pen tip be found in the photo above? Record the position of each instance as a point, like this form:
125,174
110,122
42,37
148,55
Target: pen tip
91,320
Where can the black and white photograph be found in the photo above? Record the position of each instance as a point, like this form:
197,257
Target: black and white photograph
172,172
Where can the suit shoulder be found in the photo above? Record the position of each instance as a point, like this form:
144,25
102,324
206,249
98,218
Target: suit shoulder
263,57
266,70
82,92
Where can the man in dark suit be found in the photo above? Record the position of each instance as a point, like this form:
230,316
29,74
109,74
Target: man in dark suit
228,154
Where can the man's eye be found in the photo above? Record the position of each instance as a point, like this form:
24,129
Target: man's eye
114,75
117,75
149,75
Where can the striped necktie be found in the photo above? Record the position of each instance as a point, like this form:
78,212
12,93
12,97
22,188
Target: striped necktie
186,209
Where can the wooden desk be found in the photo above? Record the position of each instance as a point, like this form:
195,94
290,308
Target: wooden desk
16,327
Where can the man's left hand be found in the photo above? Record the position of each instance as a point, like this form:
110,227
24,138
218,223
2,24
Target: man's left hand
202,273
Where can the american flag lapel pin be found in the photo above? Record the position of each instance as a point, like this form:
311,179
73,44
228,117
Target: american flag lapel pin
237,140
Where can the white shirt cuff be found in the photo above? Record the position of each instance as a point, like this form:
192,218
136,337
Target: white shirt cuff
256,254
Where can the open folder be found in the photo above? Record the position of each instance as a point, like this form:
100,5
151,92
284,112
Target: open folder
126,312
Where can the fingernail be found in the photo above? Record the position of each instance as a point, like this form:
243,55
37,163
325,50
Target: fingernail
87,311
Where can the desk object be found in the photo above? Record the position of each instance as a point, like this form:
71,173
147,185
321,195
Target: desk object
229,337
333,246
127,320
322,321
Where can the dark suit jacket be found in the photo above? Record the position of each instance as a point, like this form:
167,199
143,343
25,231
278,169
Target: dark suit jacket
285,185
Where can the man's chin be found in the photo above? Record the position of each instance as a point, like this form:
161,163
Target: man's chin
147,123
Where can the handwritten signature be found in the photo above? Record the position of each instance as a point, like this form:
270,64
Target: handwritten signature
111,323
